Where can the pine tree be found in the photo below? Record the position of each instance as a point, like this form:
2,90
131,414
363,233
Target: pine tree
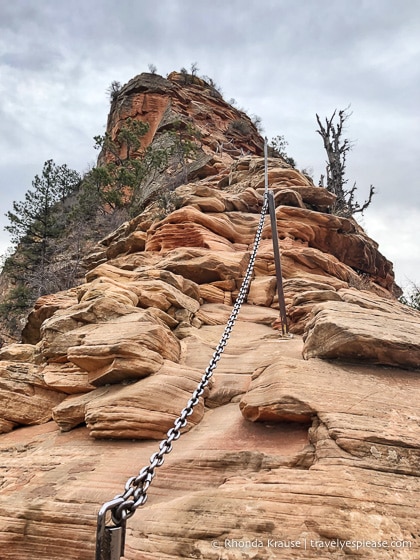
34,222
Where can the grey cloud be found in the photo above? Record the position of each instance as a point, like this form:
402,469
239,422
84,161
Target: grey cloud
283,60
32,60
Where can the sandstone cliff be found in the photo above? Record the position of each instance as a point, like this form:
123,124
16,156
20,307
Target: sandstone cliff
310,442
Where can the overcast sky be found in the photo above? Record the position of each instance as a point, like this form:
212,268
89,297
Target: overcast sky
284,60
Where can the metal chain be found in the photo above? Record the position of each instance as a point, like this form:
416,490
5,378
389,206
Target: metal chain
135,495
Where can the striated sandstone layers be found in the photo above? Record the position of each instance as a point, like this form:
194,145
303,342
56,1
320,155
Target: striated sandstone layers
313,439
161,102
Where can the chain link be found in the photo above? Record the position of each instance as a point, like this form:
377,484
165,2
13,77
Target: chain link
136,487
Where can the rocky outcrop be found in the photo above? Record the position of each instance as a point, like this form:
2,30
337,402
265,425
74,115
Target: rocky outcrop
18,353
307,443
342,467
347,416
162,102
181,112
387,334
25,398
44,308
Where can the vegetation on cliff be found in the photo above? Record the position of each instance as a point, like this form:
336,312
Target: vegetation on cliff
35,225
412,297
337,148
64,214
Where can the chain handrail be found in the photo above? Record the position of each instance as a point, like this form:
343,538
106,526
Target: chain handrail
110,539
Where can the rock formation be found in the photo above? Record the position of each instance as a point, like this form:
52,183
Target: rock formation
308,443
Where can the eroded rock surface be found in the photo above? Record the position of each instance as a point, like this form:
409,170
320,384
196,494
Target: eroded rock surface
25,398
367,414
283,446
390,337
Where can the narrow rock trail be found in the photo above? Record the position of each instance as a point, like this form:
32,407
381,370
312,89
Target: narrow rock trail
299,448
57,479
229,480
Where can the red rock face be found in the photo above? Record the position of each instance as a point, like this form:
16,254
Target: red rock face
148,107
160,102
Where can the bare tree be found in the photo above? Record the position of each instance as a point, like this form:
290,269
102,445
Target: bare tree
113,90
194,68
412,297
337,149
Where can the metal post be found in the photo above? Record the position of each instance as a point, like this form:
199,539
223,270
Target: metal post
277,261
110,540
276,248
265,166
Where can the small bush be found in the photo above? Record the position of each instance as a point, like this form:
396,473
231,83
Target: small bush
257,122
240,126
412,299
114,90
362,282
15,307
277,148
167,202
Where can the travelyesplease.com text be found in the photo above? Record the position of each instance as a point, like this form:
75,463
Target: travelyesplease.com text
305,543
